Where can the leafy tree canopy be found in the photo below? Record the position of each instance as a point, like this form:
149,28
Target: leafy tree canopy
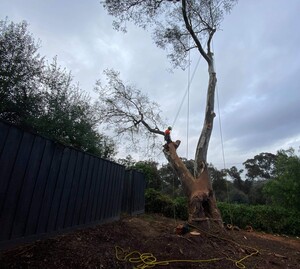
284,189
261,166
173,22
42,97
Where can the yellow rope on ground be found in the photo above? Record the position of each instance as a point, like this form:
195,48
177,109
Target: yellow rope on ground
238,263
148,260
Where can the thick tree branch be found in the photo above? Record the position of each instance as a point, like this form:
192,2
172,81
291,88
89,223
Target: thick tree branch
191,31
151,130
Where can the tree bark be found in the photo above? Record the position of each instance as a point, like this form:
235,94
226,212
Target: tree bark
202,207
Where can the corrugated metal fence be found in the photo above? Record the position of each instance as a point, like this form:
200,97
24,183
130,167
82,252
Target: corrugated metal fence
46,187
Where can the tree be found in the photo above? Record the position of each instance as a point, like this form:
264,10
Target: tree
20,71
256,193
171,184
149,169
284,189
43,98
69,115
219,184
235,174
178,27
128,162
261,166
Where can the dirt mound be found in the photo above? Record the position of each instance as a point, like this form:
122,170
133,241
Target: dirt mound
96,248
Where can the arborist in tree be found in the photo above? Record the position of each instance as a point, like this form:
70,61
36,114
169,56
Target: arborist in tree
169,140
168,135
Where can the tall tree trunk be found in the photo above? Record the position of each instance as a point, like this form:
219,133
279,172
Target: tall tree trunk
202,205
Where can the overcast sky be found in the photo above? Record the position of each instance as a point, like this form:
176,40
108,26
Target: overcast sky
257,62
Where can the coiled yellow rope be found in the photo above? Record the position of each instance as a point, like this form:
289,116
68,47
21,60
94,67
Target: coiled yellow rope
148,260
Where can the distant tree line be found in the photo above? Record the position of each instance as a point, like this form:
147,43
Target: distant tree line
43,98
268,179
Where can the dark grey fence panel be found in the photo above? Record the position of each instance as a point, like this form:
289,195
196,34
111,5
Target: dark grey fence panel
80,192
97,191
86,191
39,189
133,200
14,186
101,192
63,203
28,185
88,217
3,134
46,187
60,180
74,191
7,160
47,198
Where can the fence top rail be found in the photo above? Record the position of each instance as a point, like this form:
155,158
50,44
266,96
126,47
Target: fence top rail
33,132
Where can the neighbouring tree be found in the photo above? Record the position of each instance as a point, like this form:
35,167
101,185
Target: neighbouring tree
235,174
261,166
69,115
171,183
256,194
128,162
20,71
284,189
219,183
149,169
178,26
42,97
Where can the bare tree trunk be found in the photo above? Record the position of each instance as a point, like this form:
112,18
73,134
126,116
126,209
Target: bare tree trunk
202,205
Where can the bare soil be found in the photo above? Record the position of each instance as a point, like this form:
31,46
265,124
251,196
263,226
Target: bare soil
102,246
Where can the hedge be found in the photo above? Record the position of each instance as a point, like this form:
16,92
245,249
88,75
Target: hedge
265,218
261,217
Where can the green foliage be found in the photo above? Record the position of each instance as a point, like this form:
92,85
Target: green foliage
149,169
261,166
262,218
20,74
43,98
284,189
128,162
235,174
256,194
181,208
171,184
237,196
156,202
219,183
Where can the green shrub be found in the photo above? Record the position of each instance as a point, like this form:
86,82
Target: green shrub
157,202
261,217
181,208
